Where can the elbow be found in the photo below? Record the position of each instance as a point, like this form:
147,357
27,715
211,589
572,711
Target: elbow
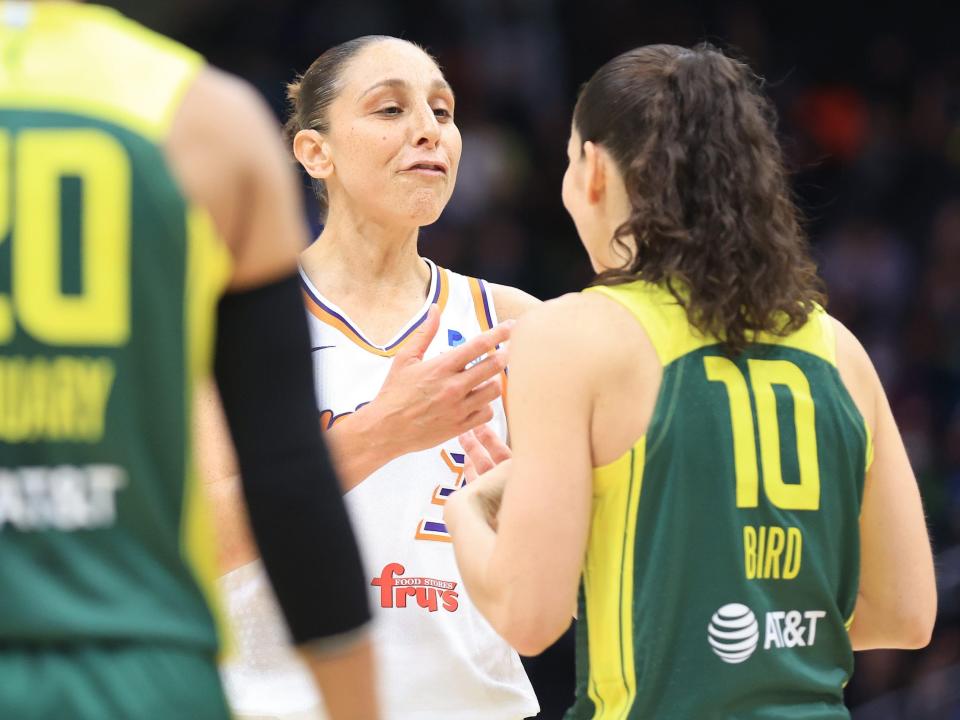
917,621
908,627
536,632
917,628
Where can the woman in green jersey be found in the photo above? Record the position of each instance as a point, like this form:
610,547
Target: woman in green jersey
704,462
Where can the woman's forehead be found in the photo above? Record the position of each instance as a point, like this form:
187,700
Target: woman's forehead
390,62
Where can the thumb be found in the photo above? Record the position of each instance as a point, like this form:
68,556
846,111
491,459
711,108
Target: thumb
418,343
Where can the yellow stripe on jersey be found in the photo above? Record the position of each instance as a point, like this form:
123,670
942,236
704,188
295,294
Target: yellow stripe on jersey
672,336
609,610
208,271
93,61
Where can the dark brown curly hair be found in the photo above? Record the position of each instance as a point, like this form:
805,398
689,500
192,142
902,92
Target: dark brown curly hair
712,217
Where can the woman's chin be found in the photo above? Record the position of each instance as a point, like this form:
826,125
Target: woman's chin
425,210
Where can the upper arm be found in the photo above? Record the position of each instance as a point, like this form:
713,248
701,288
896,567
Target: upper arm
225,150
897,585
890,466
216,457
545,515
512,302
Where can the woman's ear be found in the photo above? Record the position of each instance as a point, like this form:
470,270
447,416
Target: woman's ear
597,166
313,152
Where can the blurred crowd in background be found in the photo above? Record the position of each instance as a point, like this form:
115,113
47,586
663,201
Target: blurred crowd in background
869,105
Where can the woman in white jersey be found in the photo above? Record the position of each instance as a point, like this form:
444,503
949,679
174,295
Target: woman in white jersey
396,342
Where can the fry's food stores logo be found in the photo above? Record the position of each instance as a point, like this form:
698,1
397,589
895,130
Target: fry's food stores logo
429,593
734,633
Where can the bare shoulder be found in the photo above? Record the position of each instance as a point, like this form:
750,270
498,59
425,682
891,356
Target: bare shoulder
588,328
857,372
226,153
220,106
588,348
222,131
512,302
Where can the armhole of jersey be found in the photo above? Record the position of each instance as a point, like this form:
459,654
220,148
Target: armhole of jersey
491,305
486,312
195,65
185,65
829,335
482,304
207,273
654,325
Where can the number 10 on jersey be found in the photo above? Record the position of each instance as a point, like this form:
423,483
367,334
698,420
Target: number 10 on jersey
764,374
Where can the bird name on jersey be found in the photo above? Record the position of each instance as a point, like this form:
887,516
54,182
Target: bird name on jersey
771,552
61,398
64,497
429,593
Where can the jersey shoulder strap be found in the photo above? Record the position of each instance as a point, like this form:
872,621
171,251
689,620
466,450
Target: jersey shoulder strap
92,61
673,336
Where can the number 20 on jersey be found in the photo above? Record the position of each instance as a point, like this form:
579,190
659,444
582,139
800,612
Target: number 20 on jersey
30,206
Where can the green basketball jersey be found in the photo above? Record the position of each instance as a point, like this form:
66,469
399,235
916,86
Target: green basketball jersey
723,558
108,287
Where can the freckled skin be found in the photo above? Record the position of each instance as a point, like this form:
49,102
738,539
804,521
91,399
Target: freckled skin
379,133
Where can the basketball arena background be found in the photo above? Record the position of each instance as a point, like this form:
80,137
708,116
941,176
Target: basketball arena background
869,103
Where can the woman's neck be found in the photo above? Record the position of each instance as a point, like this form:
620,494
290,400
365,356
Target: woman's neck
363,259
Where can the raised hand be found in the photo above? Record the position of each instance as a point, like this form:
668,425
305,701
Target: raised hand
424,403
483,449
486,469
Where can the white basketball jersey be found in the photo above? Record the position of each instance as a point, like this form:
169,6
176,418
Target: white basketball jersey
438,657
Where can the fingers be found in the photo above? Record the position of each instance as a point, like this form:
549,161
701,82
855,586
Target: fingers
478,417
495,447
486,369
469,471
481,395
479,457
461,356
418,343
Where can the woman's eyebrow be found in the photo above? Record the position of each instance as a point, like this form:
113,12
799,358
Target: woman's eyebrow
399,83
392,82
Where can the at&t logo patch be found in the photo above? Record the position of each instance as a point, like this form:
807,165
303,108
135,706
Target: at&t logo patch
733,633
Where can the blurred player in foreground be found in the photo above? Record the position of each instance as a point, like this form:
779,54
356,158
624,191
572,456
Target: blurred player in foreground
123,162
697,446
395,343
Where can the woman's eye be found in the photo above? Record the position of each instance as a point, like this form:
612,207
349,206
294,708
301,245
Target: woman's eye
391,110
442,113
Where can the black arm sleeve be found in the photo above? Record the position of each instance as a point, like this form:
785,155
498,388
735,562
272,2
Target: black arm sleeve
263,370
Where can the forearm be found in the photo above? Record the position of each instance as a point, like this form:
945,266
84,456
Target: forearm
235,545
361,443
346,678
473,544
